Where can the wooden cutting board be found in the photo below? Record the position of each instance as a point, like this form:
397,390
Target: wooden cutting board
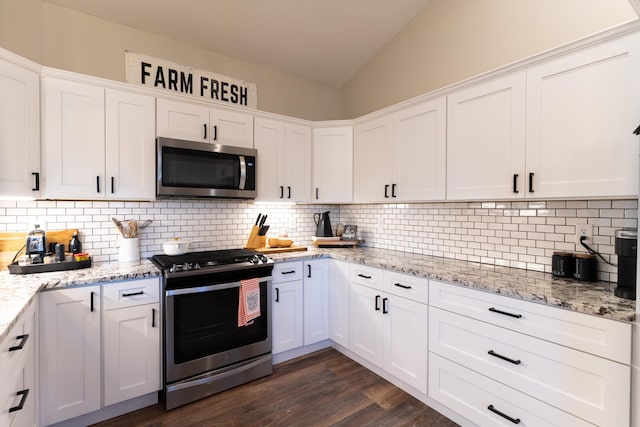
12,242
293,248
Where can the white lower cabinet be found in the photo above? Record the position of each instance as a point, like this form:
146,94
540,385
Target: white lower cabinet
72,354
17,371
388,330
131,341
287,321
488,402
539,364
339,302
316,301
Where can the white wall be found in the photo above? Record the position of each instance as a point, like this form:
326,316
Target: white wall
451,40
62,38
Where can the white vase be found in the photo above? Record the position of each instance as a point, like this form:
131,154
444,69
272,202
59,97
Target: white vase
129,250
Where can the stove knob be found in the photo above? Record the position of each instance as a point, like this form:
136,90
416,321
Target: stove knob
254,259
173,268
196,266
186,266
263,258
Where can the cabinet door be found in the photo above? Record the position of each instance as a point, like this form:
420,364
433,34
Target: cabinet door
19,131
581,111
419,152
297,163
130,145
182,121
486,140
316,301
74,159
372,168
339,302
131,352
231,128
269,141
287,324
366,326
405,349
332,165
69,351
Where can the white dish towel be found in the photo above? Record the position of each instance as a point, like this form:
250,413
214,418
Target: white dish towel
249,303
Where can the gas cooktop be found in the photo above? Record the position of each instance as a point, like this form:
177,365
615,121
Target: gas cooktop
210,261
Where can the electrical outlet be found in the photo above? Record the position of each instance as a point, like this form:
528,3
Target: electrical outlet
584,230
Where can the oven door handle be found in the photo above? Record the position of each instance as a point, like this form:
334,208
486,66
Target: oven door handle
200,289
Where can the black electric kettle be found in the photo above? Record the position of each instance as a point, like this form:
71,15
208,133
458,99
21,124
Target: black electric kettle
324,224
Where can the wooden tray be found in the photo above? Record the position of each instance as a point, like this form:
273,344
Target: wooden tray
267,250
11,242
337,243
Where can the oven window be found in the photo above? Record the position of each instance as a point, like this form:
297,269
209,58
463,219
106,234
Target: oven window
199,169
207,323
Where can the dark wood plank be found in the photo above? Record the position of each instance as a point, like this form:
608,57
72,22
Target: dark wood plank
324,388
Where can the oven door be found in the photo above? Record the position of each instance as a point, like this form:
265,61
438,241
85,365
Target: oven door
202,332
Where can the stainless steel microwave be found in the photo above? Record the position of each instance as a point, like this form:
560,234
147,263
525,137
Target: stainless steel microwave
197,169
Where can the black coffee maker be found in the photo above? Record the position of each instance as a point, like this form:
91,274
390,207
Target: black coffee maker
626,249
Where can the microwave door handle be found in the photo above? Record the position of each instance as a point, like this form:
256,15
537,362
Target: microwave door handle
243,172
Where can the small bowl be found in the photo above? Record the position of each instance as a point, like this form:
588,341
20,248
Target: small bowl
82,256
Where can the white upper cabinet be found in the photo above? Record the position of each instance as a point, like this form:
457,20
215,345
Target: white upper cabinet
203,124
130,145
419,156
19,131
332,165
96,148
371,160
74,140
401,156
486,140
581,111
284,161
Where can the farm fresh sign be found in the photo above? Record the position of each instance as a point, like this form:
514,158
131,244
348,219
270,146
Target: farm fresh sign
175,78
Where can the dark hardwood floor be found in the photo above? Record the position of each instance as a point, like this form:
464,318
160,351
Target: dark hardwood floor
324,388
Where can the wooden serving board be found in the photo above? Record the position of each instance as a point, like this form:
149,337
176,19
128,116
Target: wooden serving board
267,250
11,242
337,243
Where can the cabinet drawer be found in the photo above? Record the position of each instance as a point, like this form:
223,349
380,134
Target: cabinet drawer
131,293
18,344
471,394
404,285
287,272
584,385
599,336
367,276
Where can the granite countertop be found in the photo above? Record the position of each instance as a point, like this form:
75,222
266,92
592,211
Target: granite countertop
17,291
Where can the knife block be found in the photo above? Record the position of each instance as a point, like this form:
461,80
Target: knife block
254,241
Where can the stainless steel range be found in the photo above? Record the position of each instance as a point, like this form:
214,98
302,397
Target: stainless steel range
205,351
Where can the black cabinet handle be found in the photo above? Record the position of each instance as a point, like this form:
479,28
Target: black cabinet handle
289,190
364,277
309,272
377,303
215,133
400,285
515,183
24,394
288,272
503,415
384,305
133,294
153,317
317,193
393,190
23,340
97,184
499,356
112,185
277,295
495,310
531,182
205,131
37,176
386,191
281,192
92,301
